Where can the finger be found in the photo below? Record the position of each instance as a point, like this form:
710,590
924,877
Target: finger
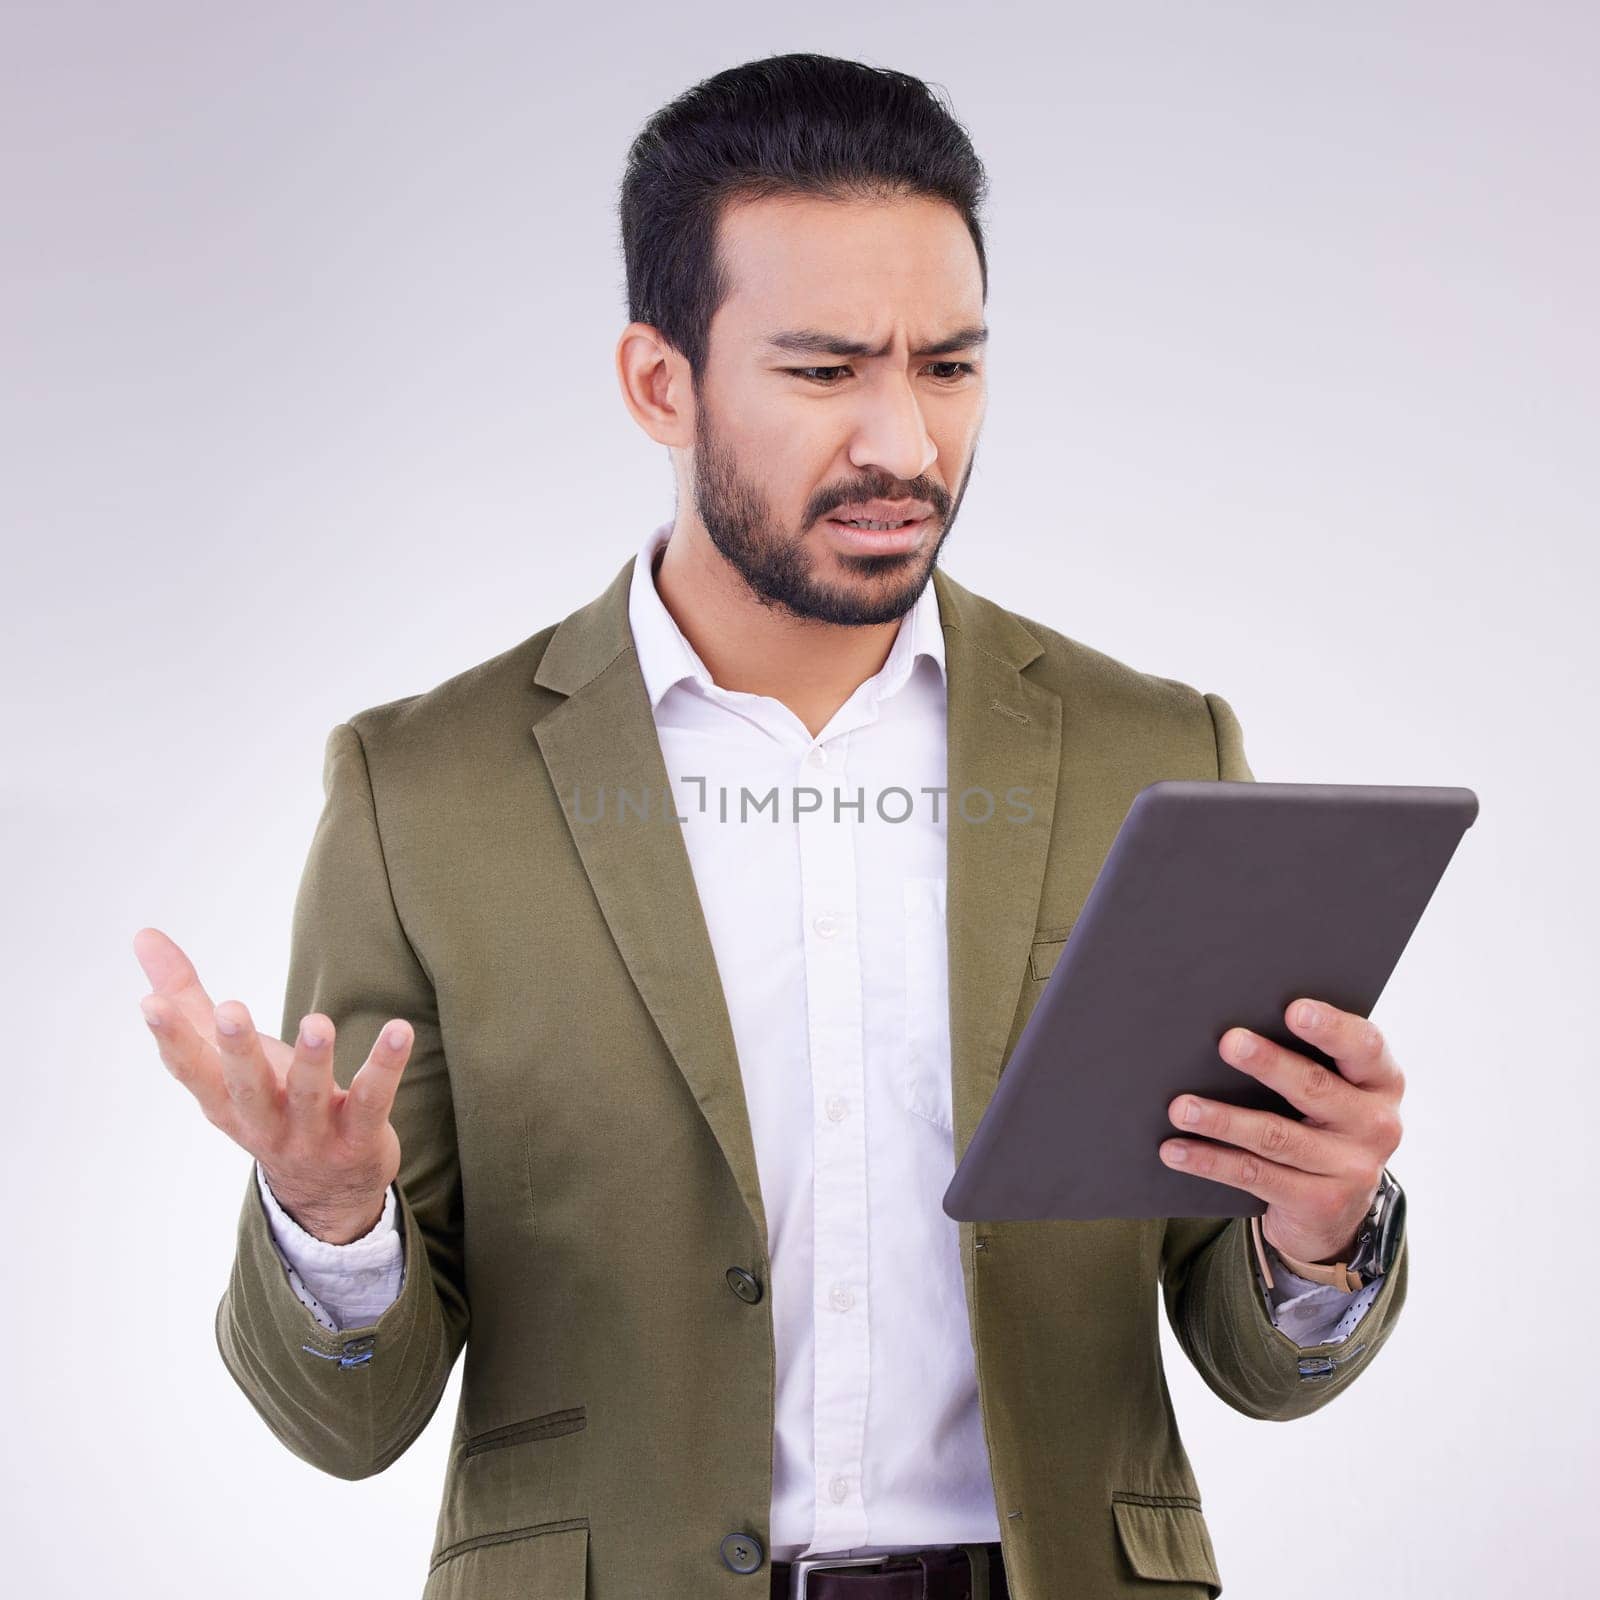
1244,1169
1354,1041
190,1059
372,1090
1298,1145
1307,1085
308,1084
171,973
251,1083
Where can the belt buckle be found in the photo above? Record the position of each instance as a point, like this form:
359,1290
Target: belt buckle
803,1568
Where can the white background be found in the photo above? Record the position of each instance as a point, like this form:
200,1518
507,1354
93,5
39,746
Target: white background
308,318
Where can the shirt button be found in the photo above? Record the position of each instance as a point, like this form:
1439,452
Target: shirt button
841,1298
836,1108
818,757
826,925
839,1487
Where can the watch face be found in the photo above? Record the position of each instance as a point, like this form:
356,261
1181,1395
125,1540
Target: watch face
1378,1241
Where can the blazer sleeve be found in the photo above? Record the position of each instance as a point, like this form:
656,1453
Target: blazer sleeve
1216,1301
350,1401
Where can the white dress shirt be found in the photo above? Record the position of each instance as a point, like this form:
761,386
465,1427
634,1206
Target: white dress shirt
827,918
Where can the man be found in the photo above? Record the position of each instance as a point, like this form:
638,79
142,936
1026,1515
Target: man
649,978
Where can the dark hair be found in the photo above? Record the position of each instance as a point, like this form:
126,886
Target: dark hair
785,124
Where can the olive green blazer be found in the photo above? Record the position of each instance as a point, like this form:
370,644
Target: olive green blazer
577,1175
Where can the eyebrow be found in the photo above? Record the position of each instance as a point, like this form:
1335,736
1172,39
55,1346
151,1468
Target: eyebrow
813,342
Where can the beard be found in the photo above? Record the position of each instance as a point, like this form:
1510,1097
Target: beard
779,568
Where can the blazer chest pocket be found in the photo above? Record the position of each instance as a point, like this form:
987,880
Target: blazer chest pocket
1165,1536
925,1070
1048,943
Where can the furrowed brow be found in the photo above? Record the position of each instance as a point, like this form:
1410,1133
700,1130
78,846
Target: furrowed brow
814,342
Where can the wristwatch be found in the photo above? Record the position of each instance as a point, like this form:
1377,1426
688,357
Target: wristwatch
1377,1244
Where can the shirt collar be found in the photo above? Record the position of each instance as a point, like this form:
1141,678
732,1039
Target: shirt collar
666,657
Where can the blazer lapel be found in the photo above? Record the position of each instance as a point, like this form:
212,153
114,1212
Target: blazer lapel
600,745
1004,738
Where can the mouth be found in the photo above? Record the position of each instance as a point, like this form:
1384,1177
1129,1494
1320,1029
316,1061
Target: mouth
879,538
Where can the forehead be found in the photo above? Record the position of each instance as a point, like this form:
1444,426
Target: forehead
866,269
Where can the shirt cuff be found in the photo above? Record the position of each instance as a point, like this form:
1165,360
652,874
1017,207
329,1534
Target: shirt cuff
342,1285
1316,1313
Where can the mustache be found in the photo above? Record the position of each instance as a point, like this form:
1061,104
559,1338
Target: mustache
935,498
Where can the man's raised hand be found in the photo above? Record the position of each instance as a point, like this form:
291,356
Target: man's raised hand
328,1153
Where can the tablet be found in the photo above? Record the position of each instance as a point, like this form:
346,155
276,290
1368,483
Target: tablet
1217,904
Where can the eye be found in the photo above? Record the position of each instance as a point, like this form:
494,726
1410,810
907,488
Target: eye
957,370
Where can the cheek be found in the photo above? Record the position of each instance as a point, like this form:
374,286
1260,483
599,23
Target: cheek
792,458
768,437
955,427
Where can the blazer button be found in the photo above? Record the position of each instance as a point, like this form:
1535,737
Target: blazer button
744,1285
742,1552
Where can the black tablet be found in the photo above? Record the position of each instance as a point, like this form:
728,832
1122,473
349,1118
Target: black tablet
1217,904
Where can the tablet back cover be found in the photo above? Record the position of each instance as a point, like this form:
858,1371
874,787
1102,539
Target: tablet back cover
1217,904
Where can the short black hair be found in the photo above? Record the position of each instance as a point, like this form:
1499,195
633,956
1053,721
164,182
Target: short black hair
784,124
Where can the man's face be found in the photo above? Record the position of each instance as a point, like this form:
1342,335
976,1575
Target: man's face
790,436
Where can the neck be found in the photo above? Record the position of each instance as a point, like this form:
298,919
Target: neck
811,667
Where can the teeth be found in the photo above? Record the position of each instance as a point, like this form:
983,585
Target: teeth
873,527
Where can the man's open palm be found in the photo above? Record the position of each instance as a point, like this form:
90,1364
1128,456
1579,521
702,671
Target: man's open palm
329,1154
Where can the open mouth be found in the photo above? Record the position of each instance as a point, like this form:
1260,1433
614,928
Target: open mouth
880,536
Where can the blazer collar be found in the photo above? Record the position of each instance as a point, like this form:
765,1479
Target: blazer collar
1004,748
591,638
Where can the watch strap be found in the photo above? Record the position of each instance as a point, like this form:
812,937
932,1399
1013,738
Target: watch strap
1338,1273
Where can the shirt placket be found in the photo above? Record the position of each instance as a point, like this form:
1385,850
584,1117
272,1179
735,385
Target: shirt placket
826,838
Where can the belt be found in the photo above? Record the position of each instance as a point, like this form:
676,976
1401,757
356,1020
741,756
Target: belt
934,1574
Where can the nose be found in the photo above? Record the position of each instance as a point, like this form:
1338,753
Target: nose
891,434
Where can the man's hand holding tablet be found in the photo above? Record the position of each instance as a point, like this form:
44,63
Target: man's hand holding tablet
1220,909
1318,1176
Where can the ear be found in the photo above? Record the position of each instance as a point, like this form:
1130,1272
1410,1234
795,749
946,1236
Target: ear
657,386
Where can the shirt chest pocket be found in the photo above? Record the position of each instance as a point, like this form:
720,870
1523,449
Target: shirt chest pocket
924,1073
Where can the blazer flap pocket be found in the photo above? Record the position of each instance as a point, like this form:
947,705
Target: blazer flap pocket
1042,957
549,1561
1165,1536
